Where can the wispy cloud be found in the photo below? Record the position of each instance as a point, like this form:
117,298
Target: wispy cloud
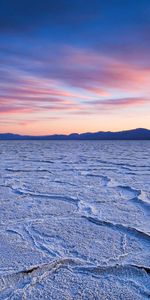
119,103
68,81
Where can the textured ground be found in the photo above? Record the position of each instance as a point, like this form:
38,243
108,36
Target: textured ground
75,220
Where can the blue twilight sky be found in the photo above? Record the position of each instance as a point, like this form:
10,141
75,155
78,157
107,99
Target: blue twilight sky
69,66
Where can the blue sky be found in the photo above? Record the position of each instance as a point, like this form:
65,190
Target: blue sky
74,65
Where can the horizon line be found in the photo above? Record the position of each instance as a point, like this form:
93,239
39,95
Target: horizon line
75,133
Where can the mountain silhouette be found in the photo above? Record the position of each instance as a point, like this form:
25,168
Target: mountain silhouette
134,134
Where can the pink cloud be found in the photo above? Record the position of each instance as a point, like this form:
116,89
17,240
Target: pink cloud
117,103
97,72
67,83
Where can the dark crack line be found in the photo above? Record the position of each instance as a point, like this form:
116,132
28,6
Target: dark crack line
122,228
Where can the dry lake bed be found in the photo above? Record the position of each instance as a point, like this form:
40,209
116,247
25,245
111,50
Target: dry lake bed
75,220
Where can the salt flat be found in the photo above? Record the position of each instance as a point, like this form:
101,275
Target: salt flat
75,220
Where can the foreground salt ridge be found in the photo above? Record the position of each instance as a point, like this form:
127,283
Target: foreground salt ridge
75,224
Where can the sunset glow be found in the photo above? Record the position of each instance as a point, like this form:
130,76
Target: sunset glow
74,68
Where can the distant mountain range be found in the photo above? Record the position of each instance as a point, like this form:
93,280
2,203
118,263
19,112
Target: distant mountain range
134,134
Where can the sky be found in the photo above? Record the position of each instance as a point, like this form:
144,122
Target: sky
74,65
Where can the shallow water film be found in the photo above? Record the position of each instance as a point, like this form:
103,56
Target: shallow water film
75,220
